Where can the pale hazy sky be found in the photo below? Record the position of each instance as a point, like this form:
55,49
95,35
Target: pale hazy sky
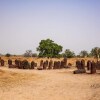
74,24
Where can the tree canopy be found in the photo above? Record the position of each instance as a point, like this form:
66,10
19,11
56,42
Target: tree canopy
68,53
95,52
8,55
83,53
47,48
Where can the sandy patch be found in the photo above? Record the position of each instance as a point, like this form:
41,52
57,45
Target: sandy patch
61,84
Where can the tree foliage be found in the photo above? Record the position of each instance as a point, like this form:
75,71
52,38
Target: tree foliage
34,55
95,52
68,53
83,53
8,55
47,48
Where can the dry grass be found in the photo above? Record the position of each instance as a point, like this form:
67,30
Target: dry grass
37,60
13,78
17,84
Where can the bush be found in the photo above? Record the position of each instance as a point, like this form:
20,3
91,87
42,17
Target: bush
34,55
8,55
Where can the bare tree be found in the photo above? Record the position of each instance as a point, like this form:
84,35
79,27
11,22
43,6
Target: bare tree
28,53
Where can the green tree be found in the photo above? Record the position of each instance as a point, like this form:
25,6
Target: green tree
68,53
47,48
83,53
95,52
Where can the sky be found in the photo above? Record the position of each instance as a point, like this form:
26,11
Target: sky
74,24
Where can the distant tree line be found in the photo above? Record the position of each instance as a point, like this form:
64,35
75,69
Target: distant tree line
48,48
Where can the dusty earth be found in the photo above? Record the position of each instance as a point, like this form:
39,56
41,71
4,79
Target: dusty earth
17,84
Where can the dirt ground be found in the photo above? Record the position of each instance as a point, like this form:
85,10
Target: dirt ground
17,84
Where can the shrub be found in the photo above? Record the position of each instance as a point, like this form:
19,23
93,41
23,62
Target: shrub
8,55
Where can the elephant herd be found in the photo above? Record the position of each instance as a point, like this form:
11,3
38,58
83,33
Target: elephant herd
50,64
